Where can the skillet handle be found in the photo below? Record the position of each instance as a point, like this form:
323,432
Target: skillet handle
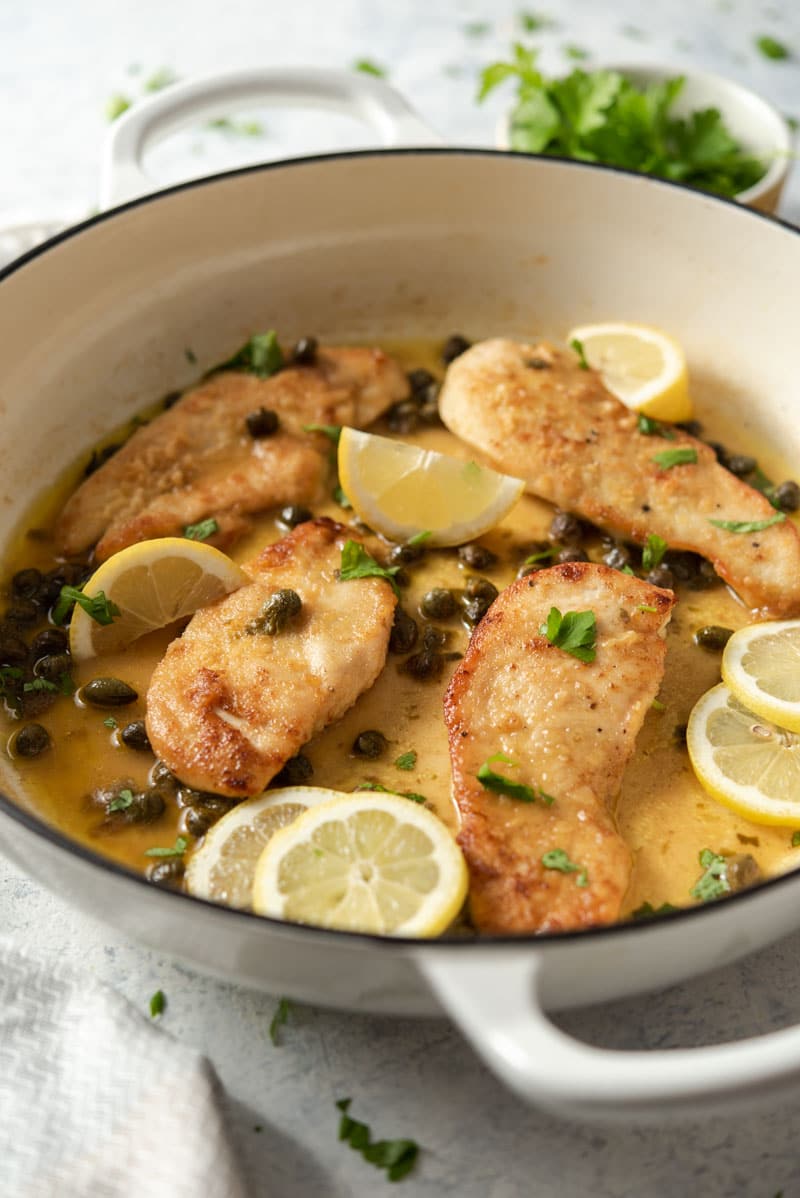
495,998
361,96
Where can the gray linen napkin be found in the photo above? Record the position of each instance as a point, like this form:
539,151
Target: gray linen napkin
95,1100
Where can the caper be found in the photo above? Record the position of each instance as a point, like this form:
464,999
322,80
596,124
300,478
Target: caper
262,423
295,772
741,464
403,636
99,458
476,556
22,611
537,363
26,583
713,637
108,692
162,776
402,416
419,380
276,614
565,527
49,641
571,553
13,649
423,665
705,578
429,411
531,568
404,555
720,451
134,735
370,744
787,496
147,806
304,351
204,813
294,514
742,871
438,604
693,427
662,576
67,574
481,588
53,666
617,556
454,347
679,733
684,566
165,873
31,741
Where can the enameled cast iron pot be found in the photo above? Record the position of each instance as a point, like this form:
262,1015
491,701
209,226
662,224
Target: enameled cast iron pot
95,323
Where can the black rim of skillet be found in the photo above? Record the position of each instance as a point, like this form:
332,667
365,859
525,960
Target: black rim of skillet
33,824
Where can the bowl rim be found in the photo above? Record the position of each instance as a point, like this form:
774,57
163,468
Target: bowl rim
772,120
34,824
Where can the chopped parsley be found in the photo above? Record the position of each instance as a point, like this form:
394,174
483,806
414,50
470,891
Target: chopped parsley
770,47
357,563
653,428
749,525
795,839
157,1004
243,128
406,761
178,849
413,795
575,632
558,859
397,1157
477,28
579,350
534,22
367,67
39,685
682,456
419,538
261,356
653,552
201,531
101,609
116,105
471,472
713,883
121,802
657,705
278,1020
110,722
160,79
602,116
648,911
541,555
648,607
499,784
332,431
340,497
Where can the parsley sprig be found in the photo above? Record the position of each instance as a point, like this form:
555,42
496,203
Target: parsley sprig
601,116
357,563
575,632
98,606
558,859
397,1157
501,785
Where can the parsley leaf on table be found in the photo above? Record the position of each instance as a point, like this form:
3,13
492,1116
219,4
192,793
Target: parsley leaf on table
280,1017
397,1157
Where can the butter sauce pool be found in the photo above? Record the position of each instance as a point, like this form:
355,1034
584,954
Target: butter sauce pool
662,812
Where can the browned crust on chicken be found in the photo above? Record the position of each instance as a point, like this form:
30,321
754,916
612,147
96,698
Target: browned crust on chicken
227,708
570,726
197,460
578,446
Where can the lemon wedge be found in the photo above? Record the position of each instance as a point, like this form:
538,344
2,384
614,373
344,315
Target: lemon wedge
152,583
364,863
223,867
746,762
643,367
401,490
761,665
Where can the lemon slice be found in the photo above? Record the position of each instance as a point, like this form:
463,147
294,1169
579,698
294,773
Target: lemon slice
761,665
643,367
223,867
364,863
401,490
152,583
744,761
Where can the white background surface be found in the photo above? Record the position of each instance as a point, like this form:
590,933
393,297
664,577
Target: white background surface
60,63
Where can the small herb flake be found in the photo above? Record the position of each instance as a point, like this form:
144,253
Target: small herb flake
559,860
574,632
406,761
201,531
653,552
653,428
279,1019
579,350
795,839
657,705
110,722
116,105
477,28
101,609
542,555
397,1157
367,67
178,849
648,911
190,355
577,53
499,784
683,456
749,525
261,356
649,608
157,1004
332,431
340,497
713,883
40,685
534,22
357,563
413,795
770,47
471,472
121,802
419,538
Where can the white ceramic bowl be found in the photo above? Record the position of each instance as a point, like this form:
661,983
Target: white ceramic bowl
757,125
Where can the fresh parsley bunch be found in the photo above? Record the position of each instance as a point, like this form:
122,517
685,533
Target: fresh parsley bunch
601,116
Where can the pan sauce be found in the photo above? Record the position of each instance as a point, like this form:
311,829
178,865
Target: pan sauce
663,813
